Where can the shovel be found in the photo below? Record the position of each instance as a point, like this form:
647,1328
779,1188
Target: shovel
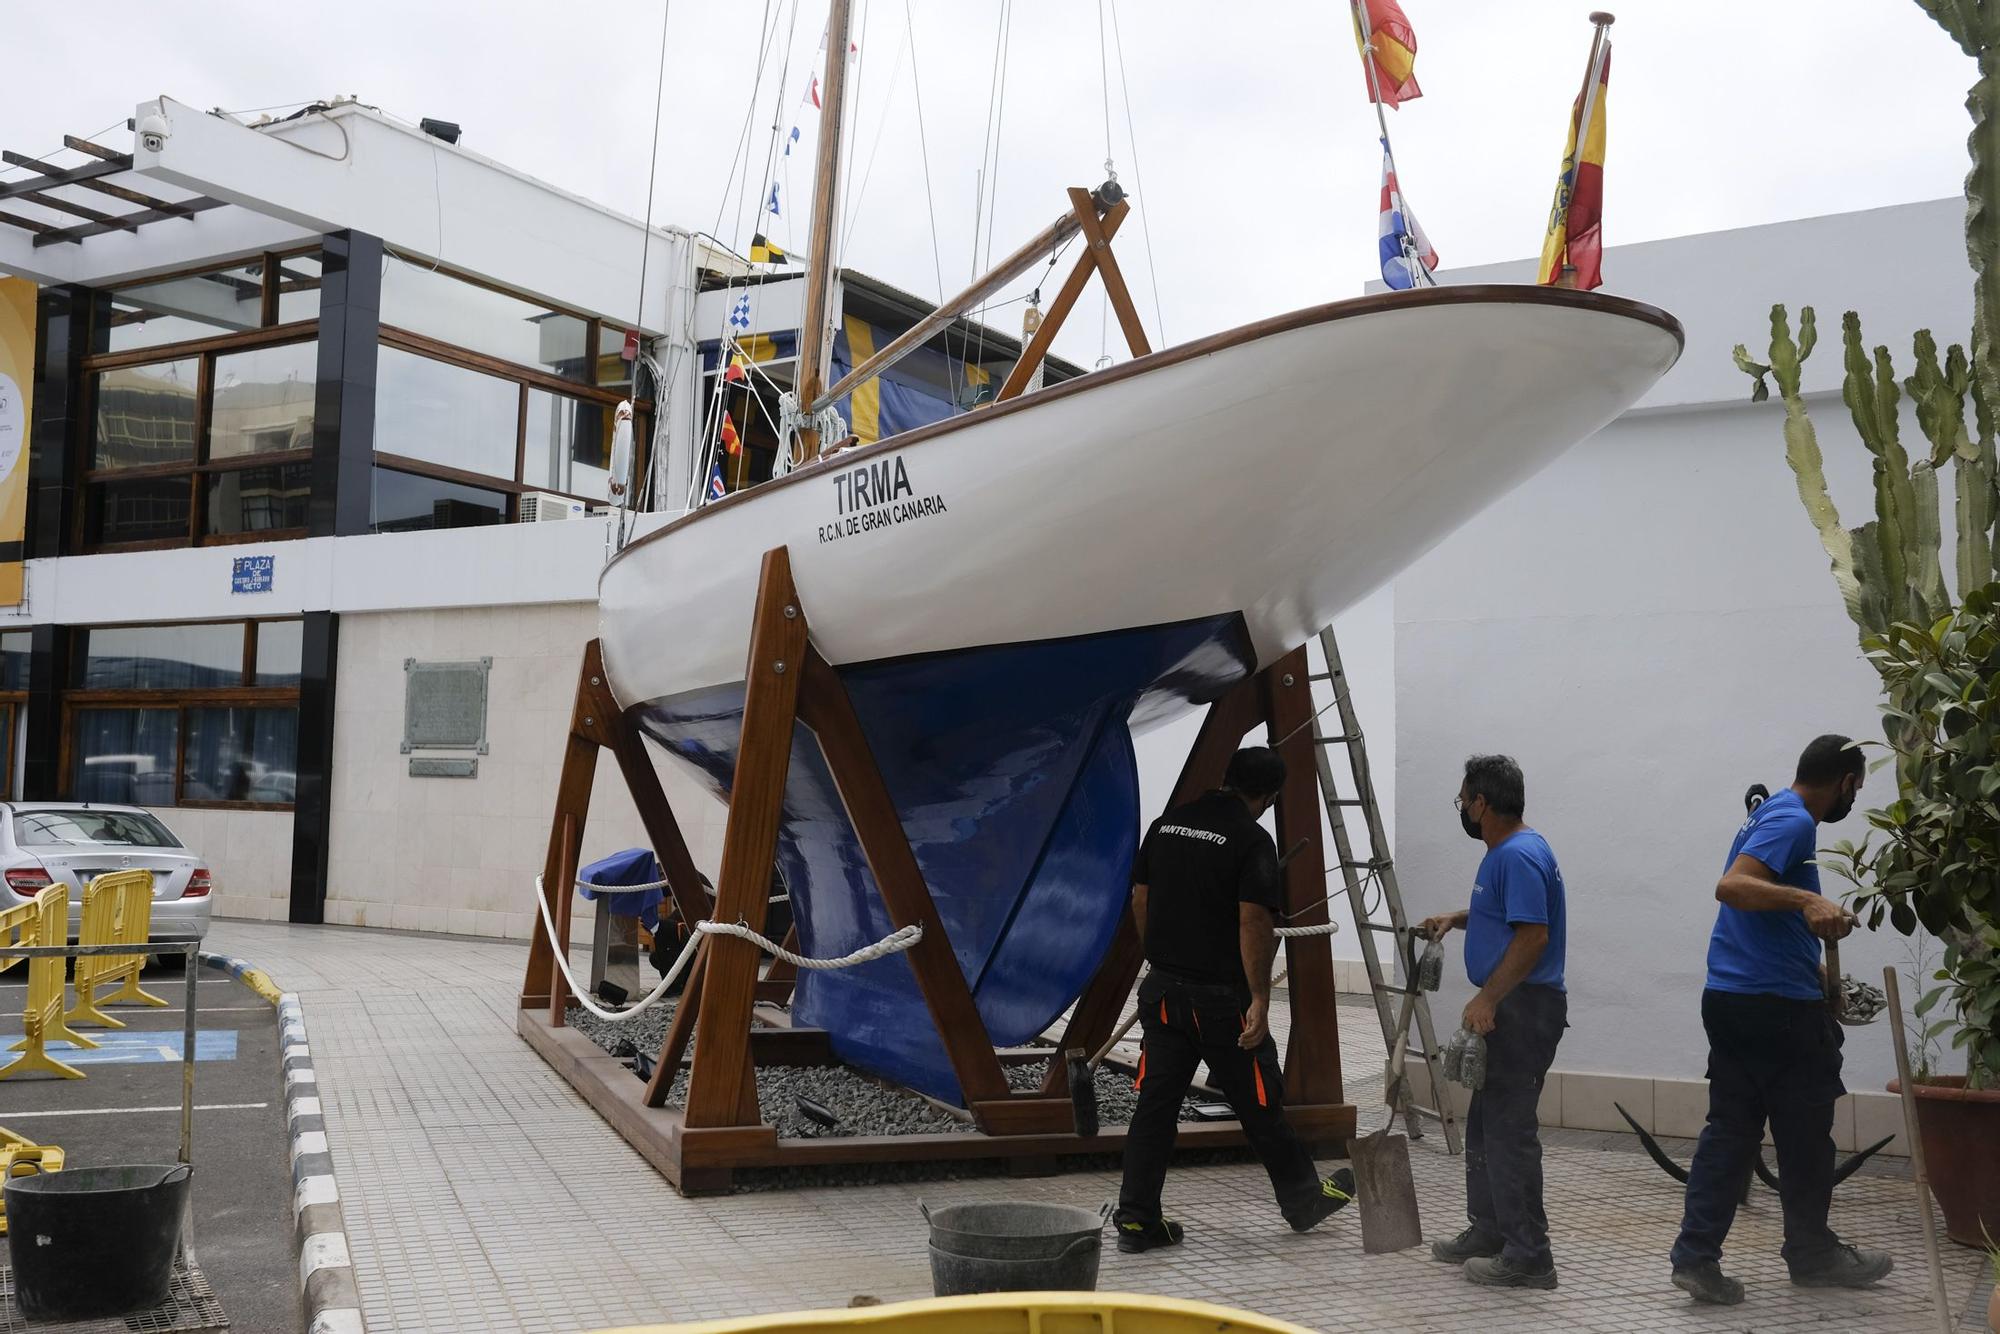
1383,1181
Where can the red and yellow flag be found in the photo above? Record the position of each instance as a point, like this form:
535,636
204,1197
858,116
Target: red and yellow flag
730,441
1395,58
1575,240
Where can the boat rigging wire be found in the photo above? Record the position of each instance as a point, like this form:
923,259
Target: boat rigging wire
627,484
1138,177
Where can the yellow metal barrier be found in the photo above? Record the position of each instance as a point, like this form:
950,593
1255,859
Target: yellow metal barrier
1003,1313
20,1156
117,910
42,1018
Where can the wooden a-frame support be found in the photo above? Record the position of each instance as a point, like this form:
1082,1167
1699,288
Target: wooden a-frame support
787,683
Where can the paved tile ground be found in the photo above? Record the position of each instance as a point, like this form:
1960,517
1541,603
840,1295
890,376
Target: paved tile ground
482,1194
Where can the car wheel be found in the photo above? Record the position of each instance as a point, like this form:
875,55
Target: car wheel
170,963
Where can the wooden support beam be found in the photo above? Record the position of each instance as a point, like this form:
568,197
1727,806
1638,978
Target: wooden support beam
782,977
589,729
1107,269
1059,309
830,713
1312,1053
1030,254
125,193
565,905
1103,1001
722,1069
26,224
674,1045
83,231
53,176
47,200
95,150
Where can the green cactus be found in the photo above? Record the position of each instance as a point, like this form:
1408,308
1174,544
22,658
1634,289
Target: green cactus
1934,642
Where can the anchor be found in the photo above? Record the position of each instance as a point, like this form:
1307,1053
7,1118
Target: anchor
1762,1168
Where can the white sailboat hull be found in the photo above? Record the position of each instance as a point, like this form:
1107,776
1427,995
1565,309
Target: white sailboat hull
1280,472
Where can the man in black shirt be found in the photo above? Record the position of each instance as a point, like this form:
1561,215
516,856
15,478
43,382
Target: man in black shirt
1205,891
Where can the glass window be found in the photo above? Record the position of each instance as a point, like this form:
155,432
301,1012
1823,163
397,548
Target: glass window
127,829
161,657
404,502
259,500
263,400
568,445
145,414
174,310
298,288
148,510
241,755
280,650
613,371
125,756
16,648
445,414
424,301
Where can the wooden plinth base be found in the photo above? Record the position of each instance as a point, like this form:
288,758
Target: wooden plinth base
701,1162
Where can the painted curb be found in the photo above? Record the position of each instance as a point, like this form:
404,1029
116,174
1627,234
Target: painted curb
326,1267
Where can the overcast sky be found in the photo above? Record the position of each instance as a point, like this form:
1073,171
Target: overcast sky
1255,161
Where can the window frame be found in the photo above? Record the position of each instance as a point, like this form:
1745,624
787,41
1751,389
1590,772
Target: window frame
243,695
200,468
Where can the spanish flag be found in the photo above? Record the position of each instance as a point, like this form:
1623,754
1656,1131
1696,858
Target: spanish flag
730,441
1395,57
1575,239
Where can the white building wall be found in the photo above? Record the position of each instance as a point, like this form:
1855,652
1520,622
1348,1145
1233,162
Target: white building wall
460,855
248,853
1649,627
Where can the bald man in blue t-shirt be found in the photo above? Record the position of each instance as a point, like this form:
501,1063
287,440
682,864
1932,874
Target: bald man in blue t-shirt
1773,1045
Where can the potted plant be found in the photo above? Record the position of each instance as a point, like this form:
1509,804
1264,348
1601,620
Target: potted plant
1932,857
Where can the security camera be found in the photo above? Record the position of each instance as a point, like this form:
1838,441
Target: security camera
153,131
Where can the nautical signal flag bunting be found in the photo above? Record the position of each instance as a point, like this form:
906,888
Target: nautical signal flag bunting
1393,65
730,440
1399,222
1575,239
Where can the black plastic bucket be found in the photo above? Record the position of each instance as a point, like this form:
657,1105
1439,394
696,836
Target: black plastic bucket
94,1241
1014,1247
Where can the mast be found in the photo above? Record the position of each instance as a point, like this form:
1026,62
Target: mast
826,189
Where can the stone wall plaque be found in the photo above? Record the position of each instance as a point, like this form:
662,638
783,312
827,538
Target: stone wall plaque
438,767
444,705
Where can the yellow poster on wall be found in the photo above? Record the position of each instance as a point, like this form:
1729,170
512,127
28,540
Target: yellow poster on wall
17,387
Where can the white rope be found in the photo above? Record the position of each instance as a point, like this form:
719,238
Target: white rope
580,994
894,943
1323,929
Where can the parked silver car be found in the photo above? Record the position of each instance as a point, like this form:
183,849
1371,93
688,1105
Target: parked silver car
57,842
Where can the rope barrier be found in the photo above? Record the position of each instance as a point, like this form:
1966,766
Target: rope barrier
1323,929
894,943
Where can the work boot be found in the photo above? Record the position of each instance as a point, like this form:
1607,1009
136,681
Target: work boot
1335,1193
1705,1282
1134,1237
1845,1267
1465,1246
1497,1271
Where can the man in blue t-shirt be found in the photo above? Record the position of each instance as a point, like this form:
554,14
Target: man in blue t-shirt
1514,938
1773,1044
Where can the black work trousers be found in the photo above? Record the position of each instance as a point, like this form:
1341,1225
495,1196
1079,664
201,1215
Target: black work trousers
1776,1059
1503,1146
1186,1026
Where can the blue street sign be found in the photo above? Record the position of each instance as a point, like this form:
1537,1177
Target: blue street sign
125,1047
252,574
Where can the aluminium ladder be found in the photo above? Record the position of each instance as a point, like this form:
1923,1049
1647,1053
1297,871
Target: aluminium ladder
1380,867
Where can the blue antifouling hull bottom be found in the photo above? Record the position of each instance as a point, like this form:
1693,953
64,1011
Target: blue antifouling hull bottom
1012,770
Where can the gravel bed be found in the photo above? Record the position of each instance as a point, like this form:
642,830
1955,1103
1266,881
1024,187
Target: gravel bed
859,1104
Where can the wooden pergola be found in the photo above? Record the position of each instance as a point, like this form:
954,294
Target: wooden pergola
60,189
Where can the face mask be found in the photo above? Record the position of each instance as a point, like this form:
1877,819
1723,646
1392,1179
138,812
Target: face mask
1841,808
1470,825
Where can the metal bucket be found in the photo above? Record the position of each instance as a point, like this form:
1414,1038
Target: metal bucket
1014,1247
94,1241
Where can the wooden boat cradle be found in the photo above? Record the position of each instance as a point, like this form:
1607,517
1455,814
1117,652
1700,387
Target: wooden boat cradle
732,1015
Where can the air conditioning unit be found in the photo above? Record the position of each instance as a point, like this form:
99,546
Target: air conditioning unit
543,506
